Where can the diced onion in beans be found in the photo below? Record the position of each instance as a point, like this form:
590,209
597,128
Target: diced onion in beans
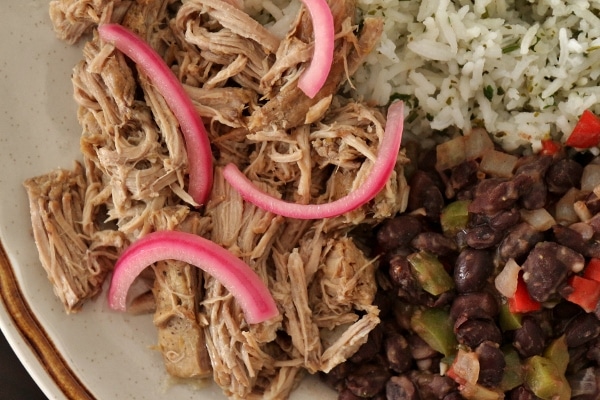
506,281
477,143
450,153
498,164
590,179
564,211
539,218
465,368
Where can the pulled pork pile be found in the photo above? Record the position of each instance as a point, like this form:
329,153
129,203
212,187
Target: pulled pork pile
242,79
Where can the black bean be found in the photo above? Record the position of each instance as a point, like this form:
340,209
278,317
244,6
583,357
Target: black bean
582,329
435,243
384,302
428,159
453,396
401,276
578,359
594,222
346,394
397,353
529,338
483,237
401,388
480,218
535,196
466,194
402,315
425,194
534,166
367,380
491,364
562,314
419,349
592,202
565,311
399,271
593,352
519,241
522,393
432,385
529,178
547,267
572,239
480,305
563,175
493,195
463,175
370,348
337,376
569,257
505,219
398,232
472,269
473,332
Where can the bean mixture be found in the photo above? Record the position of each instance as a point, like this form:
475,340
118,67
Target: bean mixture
448,331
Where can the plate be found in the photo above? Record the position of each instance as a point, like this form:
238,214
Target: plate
97,353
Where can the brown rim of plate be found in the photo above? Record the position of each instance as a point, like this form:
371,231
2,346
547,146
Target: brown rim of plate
34,334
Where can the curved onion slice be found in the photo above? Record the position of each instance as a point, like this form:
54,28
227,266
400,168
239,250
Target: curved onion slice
235,275
380,174
197,144
313,79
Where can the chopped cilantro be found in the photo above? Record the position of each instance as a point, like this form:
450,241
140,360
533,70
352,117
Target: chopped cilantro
488,92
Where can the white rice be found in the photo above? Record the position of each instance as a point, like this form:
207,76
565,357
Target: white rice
456,69
523,69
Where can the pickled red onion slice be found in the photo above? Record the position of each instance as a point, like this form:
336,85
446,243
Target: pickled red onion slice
235,275
380,174
196,138
314,77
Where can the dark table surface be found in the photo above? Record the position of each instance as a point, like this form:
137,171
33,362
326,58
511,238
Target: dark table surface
15,382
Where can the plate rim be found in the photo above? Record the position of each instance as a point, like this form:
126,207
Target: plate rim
35,337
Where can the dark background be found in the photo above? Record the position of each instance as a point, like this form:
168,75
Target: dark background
15,382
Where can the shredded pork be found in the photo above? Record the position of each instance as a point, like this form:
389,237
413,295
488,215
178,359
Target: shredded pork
242,79
76,253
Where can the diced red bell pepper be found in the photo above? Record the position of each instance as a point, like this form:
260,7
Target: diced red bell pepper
586,292
586,132
592,270
522,302
549,147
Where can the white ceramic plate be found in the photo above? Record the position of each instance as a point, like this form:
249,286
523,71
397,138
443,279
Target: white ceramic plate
97,353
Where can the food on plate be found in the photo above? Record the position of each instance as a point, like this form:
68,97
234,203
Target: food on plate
493,89
487,283
133,185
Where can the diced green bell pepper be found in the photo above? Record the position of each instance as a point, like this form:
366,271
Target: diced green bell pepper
508,320
544,379
455,217
558,353
513,371
434,326
430,273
